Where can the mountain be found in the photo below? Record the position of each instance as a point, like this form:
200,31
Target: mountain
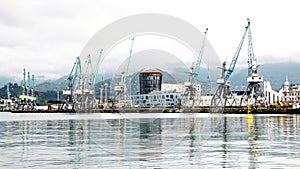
5,80
61,83
275,73
58,84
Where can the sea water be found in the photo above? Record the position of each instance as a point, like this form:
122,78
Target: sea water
144,140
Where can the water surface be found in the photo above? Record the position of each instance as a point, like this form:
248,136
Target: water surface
149,141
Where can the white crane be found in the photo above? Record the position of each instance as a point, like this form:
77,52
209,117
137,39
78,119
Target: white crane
253,93
192,92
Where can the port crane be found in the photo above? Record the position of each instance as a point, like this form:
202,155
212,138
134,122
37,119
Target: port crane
89,80
192,91
32,86
95,73
121,89
7,91
253,93
27,99
73,81
81,84
223,95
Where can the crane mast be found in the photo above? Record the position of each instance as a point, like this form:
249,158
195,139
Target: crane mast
32,85
24,83
28,84
251,57
223,93
253,94
7,91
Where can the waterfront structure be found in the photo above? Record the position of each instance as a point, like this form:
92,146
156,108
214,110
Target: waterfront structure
174,87
150,80
151,93
287,95
290,93
157,99
272,96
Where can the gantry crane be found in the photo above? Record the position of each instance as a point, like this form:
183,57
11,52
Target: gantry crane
81,84
223,93
27,99
192,91
253,93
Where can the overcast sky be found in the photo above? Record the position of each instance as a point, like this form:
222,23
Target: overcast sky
45,36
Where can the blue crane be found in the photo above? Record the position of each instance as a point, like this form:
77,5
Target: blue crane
129,59
220,98
32,85
28,84
236,55
121,89
196,68
23,85
73,77
192,89
7,91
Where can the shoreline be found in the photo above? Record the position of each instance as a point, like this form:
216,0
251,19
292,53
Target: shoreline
232,110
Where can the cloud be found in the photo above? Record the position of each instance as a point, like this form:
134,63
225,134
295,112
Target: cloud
46,36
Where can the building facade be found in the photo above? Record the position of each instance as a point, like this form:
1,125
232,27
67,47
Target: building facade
290,92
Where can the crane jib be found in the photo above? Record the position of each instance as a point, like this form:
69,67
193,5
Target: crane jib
199,58
236,55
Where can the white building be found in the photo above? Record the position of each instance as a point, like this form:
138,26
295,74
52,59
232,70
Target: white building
172,87
157,99
290,92
272,97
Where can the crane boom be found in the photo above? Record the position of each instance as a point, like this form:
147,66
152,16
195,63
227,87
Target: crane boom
96,69
236,55
86,77
73,76
127,67
192,91
199,58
